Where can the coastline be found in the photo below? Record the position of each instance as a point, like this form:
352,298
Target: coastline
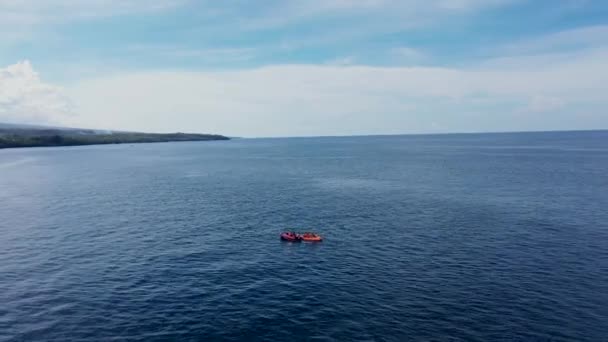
15,140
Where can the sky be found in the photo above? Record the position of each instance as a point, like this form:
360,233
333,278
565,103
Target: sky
305,67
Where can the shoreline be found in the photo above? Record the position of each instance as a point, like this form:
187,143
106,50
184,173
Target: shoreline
13,140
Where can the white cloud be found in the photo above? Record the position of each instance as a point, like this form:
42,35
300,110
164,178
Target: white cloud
270,13
567,40
342,61
374,13
207,55
408,54
344,20
24,98
34,11
468,5
403,6
327,23
542,104
19,19
313,99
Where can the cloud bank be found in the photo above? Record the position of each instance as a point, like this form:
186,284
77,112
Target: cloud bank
330,99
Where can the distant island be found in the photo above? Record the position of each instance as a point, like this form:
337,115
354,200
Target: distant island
38,136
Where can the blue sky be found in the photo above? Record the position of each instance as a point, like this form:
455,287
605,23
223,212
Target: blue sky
316,67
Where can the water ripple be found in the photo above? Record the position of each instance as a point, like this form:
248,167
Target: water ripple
424,240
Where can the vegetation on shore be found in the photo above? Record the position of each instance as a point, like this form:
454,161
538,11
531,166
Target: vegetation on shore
28,137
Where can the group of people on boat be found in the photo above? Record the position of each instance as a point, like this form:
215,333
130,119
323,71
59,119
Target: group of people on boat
295,237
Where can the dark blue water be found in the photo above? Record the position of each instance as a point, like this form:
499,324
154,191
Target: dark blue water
497,237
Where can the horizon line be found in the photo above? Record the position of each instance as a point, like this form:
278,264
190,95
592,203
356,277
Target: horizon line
43,126
417,134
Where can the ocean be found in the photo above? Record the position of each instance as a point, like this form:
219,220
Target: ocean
464,237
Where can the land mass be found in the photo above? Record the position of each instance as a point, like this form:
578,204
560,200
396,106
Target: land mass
37,136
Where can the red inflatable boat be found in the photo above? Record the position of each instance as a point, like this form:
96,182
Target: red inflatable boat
311,237
291,236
